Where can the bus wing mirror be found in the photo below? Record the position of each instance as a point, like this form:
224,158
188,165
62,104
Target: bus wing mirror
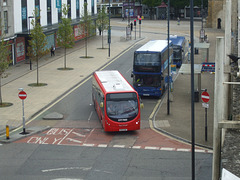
101,105
141,103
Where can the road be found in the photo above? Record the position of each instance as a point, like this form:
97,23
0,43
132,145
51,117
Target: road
77,147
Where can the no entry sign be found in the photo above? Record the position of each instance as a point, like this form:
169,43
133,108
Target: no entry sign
205,96
22,95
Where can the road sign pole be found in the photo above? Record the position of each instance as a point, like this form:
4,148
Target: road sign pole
206,124
23,95
24,131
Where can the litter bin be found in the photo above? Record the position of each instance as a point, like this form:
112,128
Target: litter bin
196,96
196,50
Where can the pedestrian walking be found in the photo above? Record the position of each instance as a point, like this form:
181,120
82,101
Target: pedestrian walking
131,26
178,20
100,30
52,51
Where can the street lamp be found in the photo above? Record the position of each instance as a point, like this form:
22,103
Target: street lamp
109,29
29,17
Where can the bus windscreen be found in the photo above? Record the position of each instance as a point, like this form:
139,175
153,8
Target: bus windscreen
122,107
177,53
147,59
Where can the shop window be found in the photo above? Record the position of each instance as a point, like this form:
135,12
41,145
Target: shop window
5,22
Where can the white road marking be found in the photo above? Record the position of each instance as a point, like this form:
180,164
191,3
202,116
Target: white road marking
89,145
199,150
152,148
119,146
68,168
90,116
80,135
167,149
102,145
184,150
74,140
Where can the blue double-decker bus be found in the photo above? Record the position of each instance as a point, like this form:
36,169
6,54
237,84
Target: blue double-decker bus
179,45
150,68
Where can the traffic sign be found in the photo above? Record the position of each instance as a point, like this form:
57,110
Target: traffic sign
205,96
205,105
22,95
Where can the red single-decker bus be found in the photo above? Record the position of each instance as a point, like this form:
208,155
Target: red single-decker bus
116,102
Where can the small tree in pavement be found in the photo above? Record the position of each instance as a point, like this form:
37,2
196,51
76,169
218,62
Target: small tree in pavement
65,37
4,61
102,21
88,25
37,43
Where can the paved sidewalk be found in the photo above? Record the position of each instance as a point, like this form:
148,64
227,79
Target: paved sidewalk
59,82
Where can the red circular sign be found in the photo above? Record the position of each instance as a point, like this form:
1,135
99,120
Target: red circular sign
205,96
22,95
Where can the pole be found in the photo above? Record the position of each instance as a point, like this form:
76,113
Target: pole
202,12
206,124
7,132
139,30
30,62
168,101
24,131
109,34
135,31
218,107
192,90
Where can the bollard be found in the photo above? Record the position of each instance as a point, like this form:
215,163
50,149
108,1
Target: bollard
7,132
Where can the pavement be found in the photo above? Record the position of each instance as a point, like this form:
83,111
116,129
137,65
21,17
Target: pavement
177,124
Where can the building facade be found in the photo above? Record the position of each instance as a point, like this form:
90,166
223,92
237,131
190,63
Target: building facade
16,18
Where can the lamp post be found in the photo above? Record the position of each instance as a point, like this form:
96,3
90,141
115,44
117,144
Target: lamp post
168,100
29,17
109,30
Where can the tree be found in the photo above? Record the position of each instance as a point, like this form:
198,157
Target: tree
65,37
151,4
88,25
37,43
102,21
4,60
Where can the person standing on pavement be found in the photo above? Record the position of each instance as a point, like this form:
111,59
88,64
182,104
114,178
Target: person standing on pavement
52,51
131,26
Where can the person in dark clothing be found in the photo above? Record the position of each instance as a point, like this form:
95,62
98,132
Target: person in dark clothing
100,30
219,23
131,26
52,51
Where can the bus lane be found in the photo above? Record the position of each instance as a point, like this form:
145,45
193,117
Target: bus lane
141,139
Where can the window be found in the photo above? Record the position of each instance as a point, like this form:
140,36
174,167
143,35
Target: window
37,6
77,9
92,7
49,12
59,15
5,22
24,15
69,10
